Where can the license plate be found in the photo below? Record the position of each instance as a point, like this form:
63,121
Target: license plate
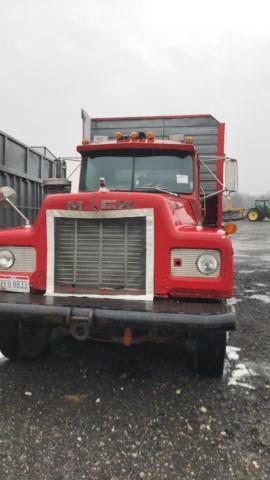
12,283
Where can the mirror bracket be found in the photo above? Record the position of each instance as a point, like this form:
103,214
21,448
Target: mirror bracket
8,196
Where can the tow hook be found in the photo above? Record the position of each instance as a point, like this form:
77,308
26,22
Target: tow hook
80,324
127,337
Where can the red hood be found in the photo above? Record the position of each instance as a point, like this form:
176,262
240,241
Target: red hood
179,209
176,226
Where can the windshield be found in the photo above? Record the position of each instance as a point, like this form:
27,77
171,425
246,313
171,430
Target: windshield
122,170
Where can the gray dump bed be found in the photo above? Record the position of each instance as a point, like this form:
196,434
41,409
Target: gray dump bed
24,169
207,133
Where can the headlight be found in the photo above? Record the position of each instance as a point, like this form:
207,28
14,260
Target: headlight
7,259
207,264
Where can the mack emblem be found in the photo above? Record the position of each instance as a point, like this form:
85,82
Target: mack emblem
105,205
115,205
74,205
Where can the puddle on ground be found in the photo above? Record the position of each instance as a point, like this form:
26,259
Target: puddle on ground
246,271
261,368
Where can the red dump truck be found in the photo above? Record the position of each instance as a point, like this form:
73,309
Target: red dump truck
138,254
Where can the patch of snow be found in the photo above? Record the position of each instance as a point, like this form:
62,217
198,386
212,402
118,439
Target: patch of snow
261,284
241,371
235,373
232,352
241,384
233,301
226,369
262,298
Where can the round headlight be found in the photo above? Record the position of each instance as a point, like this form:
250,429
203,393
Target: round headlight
207,264
7,259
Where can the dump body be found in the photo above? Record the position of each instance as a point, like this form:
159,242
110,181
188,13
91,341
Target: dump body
24,168
208,138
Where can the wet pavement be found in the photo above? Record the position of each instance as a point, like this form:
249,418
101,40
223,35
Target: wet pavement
101,411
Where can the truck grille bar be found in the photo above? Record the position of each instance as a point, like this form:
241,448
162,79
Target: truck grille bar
100,254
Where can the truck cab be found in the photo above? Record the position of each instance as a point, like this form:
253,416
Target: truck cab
139,254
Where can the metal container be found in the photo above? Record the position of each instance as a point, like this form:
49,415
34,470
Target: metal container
208,137
206,131
24,169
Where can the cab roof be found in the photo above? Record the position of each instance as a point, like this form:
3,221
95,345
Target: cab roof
137,144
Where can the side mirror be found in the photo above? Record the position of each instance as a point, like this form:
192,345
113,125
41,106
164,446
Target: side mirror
7,196
231,175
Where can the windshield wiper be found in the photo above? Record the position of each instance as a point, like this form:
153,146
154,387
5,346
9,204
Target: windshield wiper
156,188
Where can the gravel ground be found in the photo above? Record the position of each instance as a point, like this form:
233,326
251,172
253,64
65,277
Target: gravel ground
101,411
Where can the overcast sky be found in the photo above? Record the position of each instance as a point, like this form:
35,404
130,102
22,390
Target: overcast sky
151,57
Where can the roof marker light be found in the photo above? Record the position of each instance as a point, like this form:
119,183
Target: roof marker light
134,136
118,136
85,141
150,136
188,139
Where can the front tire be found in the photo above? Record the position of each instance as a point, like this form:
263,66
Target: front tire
210,352
9,338
23,340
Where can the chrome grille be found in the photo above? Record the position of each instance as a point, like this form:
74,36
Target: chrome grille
95,254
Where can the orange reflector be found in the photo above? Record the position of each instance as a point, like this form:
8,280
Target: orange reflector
127,337
230,228
118,136
188,139
85,141
134,136
150,136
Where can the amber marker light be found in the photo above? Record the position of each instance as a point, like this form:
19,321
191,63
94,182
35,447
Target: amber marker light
188,140
230,228
150,136
118,136
134,136
85,141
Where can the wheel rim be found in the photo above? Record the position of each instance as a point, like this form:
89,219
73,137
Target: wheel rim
253,216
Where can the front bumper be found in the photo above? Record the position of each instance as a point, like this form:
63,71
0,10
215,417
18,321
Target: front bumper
159,313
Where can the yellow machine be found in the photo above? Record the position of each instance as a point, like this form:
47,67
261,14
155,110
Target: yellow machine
233,213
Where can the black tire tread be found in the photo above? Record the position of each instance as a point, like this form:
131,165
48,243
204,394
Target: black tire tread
210,354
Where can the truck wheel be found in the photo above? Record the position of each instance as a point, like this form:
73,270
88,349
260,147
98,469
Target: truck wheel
210,353
9,338
22,340
253,215
33,339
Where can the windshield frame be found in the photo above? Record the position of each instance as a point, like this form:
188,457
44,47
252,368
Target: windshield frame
135,153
